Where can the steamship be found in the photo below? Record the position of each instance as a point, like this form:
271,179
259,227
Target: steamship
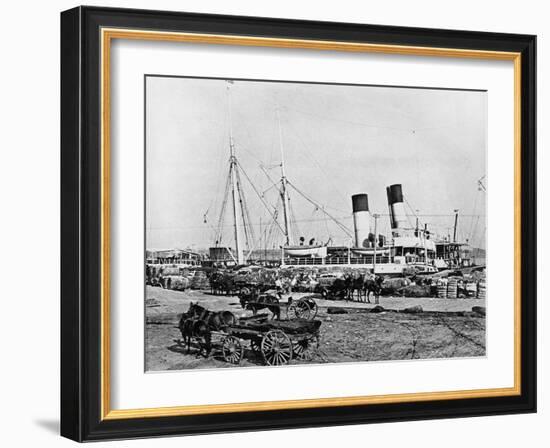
405,248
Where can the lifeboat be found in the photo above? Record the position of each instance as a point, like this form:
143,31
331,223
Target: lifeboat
315,251
364,251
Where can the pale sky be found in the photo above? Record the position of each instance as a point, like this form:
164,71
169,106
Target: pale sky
338,141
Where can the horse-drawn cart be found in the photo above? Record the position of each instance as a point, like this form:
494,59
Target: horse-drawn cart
304,308
277,341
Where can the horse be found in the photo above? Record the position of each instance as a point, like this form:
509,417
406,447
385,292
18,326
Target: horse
357,285
339,289
251,299
221,283
373,285
216,320
186,329
198,322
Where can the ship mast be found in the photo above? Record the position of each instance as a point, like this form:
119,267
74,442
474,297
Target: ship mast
234,186
284,185
455,226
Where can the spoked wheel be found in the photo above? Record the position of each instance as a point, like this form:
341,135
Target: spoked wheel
276,348
232,350
302,309
313,308
306,348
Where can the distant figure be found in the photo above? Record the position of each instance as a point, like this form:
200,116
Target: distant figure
292,284
312,241
302,240
278,285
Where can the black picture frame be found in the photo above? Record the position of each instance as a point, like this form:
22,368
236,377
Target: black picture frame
81,224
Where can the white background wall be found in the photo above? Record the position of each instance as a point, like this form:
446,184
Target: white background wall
29,222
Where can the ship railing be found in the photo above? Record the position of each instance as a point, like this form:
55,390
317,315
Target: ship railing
303,261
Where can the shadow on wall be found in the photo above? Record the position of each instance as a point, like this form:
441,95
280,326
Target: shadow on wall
51,426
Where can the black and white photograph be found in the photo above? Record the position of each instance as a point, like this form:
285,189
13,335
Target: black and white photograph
293,220
294,223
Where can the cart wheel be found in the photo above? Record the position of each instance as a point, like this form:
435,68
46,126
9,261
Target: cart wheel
313,307
232,350
276,348
300,310
306,348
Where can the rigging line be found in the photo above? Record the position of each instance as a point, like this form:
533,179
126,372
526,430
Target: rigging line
225,200
249,138
263,168
472,220
305,220
474,232
225,197
343,227
355,123
247,214
250,153
346,213
213,201
201,226
262,200
219,234
390,110
220,164
327,229
421,224
231,254
242,207
269,189
269,235
271,166
295,228
312,216
311,157
368,104
481,237
275,221
260,195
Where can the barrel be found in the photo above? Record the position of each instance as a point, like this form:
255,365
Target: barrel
442,289
471,289
452,288
481,289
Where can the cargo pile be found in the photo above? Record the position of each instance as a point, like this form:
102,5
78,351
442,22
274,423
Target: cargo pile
457,287
444,285
199,280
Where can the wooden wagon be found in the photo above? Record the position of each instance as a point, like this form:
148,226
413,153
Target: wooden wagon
277,341
304,308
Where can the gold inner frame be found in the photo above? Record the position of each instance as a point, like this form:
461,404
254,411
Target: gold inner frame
107,35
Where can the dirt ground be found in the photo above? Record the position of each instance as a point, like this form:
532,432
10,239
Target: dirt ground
446,329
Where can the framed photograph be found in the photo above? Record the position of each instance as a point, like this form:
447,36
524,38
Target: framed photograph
273,223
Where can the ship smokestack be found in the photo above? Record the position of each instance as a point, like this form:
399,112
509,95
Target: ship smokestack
398,217
361,219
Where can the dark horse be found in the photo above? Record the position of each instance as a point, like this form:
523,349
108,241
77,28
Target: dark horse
222,283
198,322
338,290
373,285
252,299
357,284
